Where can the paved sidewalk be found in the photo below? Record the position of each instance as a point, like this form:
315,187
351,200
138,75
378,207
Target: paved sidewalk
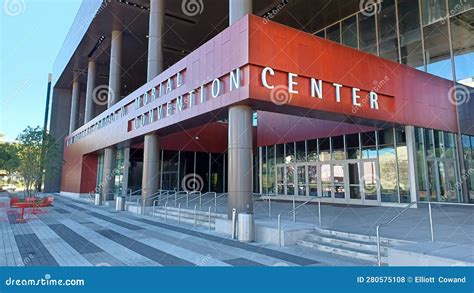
75,233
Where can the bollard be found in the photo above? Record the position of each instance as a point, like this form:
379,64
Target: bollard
209,218
233,223
269,207
179,213
294,209
279,230
195,216
319,212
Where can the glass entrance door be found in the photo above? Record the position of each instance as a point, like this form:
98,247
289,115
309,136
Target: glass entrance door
313,180
339,181
370,184
301,180
354,181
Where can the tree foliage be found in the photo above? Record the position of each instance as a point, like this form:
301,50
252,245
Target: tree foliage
8,158
31,151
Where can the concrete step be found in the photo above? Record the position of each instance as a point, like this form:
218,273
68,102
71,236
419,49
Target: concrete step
191,211
184,215
360,237
185,219
352,245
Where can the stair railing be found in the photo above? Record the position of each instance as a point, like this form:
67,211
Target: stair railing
408,206
295,208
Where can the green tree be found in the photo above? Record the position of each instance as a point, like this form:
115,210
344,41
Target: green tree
30,150
8,158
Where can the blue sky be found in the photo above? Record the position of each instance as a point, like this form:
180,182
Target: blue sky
31,34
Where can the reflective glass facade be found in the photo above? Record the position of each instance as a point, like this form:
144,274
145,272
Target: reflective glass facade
431,35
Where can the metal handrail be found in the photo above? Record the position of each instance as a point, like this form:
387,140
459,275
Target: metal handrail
215,199
132,193
377,228
199,197
299,206
176,198
144,199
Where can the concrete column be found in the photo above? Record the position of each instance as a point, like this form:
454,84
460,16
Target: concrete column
238,9
412,163
126,167
240,157
91,74
108,178
155,36
151,166
151,148
115,68
74,105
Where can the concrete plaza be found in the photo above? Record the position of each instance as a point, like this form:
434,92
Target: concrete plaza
76,233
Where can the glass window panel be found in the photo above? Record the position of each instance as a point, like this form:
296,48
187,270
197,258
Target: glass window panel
437,50
429,142
369,149
280,153
324,149
449,145
403,171
320,34
333,33
439,144
388,166
217,172
462,32
290,180
420,163
410,33
312,146
326,180
352,146
301,151
367,35
349,32
387,24
279,179
313,180
338,148
433,10
271,168
290,152
354,181
457,6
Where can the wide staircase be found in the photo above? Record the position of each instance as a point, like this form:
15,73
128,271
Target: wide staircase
188,216
346,244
